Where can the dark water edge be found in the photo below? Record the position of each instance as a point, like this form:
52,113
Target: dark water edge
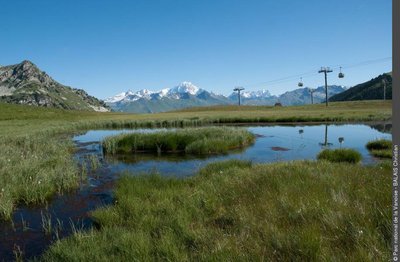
66,213
71,211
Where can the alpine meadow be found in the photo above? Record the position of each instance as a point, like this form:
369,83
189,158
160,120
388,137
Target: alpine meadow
197,131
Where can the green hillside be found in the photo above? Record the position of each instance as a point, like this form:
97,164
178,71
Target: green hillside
370,90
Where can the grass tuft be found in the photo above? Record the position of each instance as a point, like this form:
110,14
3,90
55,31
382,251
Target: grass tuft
379,144
340,155
380,148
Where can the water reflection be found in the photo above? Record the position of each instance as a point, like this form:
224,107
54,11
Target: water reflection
325,144
273,143
341,140
383,127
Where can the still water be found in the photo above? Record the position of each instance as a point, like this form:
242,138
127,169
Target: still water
273,143
72,210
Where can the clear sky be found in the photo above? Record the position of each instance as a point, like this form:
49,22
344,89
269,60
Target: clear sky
107,47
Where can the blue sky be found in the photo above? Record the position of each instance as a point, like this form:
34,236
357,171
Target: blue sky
107,47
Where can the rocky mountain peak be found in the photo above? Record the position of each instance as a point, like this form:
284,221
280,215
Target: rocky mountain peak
27,63
25,83
23,72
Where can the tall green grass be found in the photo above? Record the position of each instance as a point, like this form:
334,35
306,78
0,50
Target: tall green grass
210,140
230,211
32,169
340,155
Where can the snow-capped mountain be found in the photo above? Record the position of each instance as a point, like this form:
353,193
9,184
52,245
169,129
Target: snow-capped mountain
130,96
252,94
183,88
119,97
177,92
187,94
260,97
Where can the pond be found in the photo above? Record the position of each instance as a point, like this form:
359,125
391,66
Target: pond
273,143
68,212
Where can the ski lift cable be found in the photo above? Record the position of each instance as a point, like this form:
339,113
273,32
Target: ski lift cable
314,73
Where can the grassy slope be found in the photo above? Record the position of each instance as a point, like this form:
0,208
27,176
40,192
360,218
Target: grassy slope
33,141
296,211
372,89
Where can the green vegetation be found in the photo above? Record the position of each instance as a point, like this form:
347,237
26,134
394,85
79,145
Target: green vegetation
380,148
340,155
296,211
35,142
379,144
209,140
369,90
33,169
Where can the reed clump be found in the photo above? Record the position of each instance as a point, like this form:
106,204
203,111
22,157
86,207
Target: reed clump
381,148
340,155
209,140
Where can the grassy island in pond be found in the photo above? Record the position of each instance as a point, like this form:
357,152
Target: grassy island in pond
209,140
340,155
380,148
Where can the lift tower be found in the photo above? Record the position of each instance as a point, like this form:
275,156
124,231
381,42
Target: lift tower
238,89
325,70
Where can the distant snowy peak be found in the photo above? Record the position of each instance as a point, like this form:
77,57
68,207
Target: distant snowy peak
118,97
257,94
253,94
130,96
184,88
144,92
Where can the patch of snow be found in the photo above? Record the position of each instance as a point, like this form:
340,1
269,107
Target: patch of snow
184,87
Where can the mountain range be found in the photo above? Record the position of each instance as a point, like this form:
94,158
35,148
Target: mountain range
25,83
181,96
187,94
